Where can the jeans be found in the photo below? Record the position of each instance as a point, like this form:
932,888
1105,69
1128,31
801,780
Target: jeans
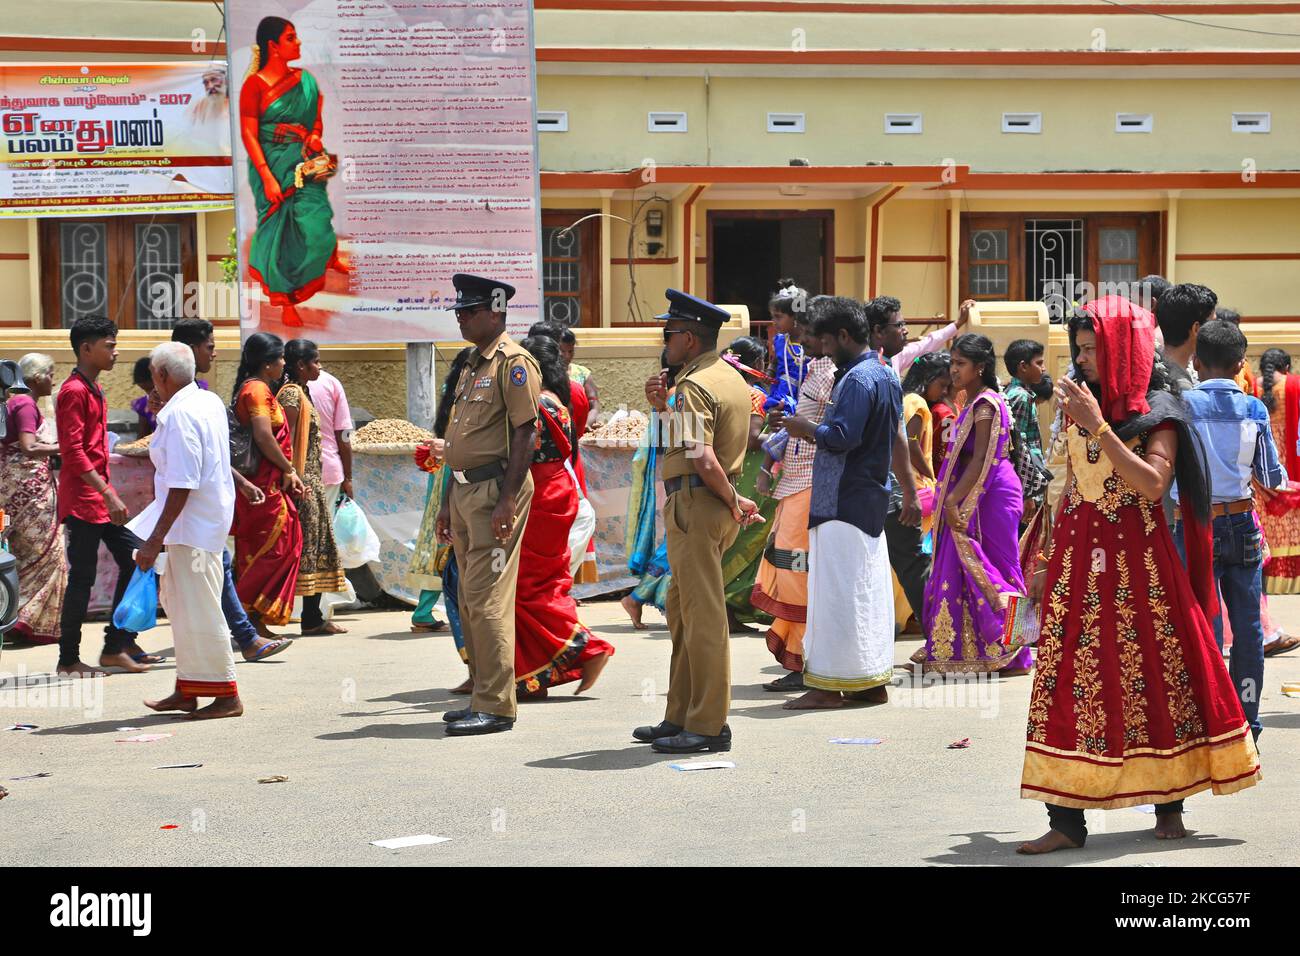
910,563
1070,820
83,557
241,628
1238,564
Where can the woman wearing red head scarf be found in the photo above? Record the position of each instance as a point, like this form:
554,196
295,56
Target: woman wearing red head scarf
1131,702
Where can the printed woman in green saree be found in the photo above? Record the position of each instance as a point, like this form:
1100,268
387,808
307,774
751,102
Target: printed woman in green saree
293,243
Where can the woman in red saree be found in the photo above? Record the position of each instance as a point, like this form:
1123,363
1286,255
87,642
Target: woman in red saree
280,126
268,537
552,646
1279,514
1132,703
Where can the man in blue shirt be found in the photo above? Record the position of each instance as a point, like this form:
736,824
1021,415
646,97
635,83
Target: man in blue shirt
849,642
1238,442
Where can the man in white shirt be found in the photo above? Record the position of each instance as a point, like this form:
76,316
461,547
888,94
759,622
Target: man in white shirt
194,502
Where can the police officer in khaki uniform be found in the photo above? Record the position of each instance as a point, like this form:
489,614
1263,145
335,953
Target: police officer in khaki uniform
489,448
705,437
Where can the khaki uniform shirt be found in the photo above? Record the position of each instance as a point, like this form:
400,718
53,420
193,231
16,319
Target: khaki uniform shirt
498,391
712,408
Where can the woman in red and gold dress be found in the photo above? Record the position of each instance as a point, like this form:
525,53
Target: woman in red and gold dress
552,646
1131,702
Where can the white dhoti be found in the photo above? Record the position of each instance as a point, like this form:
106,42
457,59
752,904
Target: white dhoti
849,641
190,590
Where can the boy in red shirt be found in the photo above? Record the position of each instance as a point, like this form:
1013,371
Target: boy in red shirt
88,505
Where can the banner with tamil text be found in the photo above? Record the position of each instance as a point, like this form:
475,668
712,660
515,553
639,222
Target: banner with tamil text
113,138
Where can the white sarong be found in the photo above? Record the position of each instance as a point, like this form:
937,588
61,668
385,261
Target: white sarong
189,588
849,641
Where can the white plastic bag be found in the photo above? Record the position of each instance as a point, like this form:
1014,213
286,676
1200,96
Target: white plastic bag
357,542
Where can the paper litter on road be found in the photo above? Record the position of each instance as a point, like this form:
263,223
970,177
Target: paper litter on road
144,738
178,766
21,727
34,776
277,778
704,765
869,741
397,843
959,744
1291,688
122,730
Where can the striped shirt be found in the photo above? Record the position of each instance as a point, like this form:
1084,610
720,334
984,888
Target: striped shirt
797,465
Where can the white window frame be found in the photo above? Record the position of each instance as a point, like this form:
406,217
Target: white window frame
1263,122
1022,122
893,123
559,124
1134,122
654,125
786,123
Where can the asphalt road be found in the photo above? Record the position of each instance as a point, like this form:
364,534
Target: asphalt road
353,722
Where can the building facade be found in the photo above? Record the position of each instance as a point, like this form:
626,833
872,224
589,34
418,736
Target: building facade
998,151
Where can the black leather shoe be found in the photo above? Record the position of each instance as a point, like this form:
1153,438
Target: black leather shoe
689,743
650,734
477,723
452,716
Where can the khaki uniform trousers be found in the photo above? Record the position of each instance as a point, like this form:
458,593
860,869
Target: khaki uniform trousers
699,529
489,571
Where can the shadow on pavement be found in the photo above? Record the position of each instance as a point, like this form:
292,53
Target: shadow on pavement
1280,720
983,849
148,719
628,758
425,730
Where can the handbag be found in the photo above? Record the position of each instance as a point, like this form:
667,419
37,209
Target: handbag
245,457
315,168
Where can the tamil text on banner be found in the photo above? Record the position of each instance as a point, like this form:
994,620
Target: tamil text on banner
113,138
379,149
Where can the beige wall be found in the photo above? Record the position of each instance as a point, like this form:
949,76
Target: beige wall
961,121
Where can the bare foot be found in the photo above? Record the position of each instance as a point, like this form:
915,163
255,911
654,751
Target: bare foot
466,688
324,629
1049,842
1014,671
220,707
177,701
633,608
124,661
591,671
1169,826
289,316
872,695
78,670
816,700
263,631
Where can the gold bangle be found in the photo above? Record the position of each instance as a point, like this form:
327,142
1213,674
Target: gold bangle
1105,427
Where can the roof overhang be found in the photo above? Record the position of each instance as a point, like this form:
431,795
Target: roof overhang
640,177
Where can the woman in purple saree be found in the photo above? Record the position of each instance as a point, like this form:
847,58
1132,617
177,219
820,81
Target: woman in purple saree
976,554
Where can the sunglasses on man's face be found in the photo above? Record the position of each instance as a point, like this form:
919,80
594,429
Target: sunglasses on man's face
669,333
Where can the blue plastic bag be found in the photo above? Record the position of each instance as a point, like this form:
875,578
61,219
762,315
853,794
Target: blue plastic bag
138,610
357,542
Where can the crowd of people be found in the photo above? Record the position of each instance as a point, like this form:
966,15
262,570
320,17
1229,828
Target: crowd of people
837,485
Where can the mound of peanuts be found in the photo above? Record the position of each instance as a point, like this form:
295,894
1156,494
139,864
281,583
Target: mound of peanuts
138,448
621,429
390,431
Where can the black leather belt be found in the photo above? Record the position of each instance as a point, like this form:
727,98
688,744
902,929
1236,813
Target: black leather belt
486,472
672,485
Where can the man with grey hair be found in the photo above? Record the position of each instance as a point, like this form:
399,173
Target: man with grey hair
194,502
